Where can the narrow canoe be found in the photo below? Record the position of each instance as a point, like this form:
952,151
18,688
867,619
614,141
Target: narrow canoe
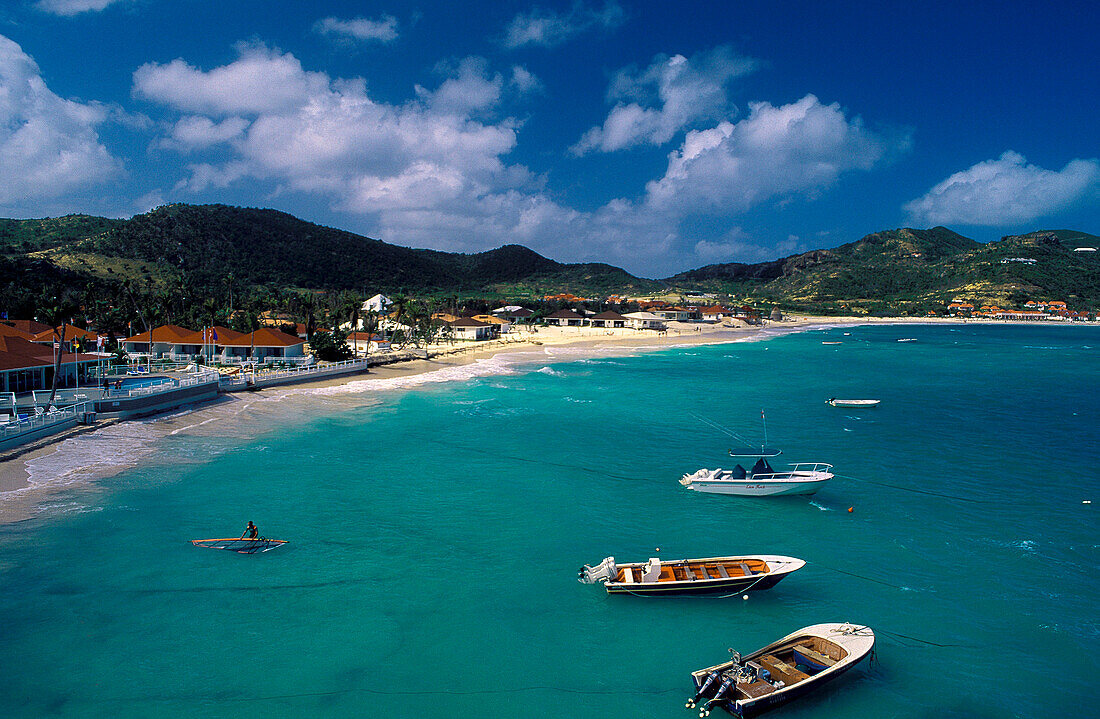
241,546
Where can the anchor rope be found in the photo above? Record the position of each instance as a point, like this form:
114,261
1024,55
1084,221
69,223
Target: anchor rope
912,489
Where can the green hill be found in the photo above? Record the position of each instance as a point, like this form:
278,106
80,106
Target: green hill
912,271
199,245
182,251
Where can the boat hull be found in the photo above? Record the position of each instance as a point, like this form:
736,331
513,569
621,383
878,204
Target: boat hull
750,488
773,701
857,642
777,567
699,587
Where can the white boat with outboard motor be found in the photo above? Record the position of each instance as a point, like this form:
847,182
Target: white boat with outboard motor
762,480
708,575
835,402
782,671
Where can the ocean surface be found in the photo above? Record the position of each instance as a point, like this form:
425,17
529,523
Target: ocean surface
436,529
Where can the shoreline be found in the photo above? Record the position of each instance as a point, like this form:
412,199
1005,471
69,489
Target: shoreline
18,498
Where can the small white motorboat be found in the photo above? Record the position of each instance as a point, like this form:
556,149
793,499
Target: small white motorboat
784,670
761,480
709,575
853,402
908,339
831,343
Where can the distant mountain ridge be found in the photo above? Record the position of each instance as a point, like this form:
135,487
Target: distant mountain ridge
268,247
198,246
908,268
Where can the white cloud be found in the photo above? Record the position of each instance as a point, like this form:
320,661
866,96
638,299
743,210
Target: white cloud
776,152
524,81
198,133
435,172
548,29
1005,191
69,8
260,81
48,145
360,29
684,92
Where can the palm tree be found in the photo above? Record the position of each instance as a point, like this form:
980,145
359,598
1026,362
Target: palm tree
55,312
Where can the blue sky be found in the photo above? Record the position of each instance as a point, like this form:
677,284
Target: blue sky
653,136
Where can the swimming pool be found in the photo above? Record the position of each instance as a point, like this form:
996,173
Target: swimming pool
138,382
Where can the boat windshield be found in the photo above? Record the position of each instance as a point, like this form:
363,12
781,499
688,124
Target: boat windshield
762,467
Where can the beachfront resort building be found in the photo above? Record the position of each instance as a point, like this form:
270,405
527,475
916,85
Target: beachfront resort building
644,321
564,318
362,343
157,341
514,313
609,319
68,333
467,328
216,344
500,325
27,366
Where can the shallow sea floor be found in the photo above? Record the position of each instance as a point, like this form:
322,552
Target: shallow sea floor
436,534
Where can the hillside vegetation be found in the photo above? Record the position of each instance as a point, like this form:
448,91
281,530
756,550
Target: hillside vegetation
189,254
913,271
200,245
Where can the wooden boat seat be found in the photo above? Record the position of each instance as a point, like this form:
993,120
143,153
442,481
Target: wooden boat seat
628,575
746,569
722,571
782,670
817,656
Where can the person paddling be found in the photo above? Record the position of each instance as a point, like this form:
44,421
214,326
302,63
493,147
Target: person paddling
251,531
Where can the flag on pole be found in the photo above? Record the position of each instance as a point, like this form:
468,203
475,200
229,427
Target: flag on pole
99,343
214,333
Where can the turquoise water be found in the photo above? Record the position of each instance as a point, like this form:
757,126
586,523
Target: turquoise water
436,534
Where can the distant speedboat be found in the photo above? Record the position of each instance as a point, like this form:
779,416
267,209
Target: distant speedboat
241,546
761,480
853,402
782,671
831,343
908,339
691,576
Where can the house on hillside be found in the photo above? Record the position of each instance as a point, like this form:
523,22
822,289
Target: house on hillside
378,303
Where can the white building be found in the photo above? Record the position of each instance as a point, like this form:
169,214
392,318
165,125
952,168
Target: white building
644,321
378,303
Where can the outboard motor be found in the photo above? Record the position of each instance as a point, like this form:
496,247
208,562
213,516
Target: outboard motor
711,676
726,683
605,571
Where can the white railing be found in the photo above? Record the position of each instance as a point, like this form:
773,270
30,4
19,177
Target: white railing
246,378
799,469
25,424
